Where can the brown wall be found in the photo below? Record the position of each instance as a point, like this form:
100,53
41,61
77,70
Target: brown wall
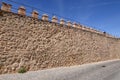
36,44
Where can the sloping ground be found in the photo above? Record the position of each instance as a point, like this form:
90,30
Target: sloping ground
36,44
109,70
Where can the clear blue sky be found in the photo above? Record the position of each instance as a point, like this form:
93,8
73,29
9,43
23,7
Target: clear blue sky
100,14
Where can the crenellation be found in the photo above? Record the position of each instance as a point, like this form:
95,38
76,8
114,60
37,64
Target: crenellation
75,25
83,27
62,21
79,26
69,24
35,14
22,10
6,7
54,19
45,17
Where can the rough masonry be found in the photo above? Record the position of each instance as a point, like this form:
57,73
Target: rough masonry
36,44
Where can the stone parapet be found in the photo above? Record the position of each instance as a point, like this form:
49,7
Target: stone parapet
35,14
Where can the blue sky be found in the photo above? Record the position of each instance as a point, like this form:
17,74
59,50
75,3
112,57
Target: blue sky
103,15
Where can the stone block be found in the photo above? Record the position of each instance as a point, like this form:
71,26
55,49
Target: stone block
54,19
45,17
6,7
22,10
35,14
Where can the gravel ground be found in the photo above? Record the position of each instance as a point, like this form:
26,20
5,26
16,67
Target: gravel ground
95,71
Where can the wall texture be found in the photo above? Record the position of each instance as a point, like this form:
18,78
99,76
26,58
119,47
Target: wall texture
36,44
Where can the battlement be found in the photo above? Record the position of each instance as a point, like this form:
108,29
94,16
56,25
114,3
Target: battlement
45,17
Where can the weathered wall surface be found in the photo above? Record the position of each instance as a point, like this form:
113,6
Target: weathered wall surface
35,44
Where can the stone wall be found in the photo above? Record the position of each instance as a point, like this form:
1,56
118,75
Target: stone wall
36,44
